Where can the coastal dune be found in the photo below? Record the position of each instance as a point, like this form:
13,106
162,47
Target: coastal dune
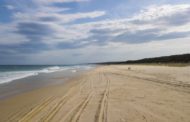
113,93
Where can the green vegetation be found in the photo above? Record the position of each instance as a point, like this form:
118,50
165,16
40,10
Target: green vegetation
173,60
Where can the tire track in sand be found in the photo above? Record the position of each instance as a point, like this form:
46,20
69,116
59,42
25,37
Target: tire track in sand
55,110
36,110
77,111
52,113
81,108
39,108
14,117
101,115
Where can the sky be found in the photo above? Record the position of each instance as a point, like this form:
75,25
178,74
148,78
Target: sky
86,31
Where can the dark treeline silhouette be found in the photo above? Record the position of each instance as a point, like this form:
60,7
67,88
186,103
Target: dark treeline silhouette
184,58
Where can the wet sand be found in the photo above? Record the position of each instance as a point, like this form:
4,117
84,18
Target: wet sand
107,94
35,82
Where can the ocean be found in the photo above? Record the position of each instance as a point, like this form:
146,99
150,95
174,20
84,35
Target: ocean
9,73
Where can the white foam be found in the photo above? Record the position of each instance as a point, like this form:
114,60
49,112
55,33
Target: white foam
51,69
6,77
10,76
73,71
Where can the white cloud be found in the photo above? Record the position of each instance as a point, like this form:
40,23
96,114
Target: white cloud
59,1
82,34
59,17
55,18
9,37
152,14
79,32
112,52
10,7
156,12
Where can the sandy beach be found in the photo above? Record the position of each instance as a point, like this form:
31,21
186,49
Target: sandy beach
110,93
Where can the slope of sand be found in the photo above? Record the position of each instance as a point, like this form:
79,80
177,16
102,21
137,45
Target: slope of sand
108,94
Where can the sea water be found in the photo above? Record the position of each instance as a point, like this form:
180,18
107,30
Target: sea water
9,73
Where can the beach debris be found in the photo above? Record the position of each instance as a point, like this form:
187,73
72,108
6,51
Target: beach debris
129,68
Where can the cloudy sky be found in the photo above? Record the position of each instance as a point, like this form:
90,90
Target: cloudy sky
81,31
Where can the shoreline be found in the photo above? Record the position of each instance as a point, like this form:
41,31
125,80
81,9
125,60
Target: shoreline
143,93
35,82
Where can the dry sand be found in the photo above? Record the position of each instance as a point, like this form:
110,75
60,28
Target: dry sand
108,94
